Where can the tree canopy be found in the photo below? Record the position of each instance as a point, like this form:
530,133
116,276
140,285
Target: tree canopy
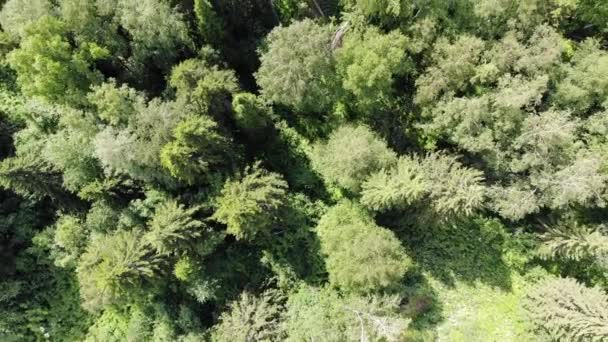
299,170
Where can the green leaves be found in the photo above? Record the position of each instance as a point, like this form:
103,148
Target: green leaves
368,64
248,205
350,155
117,266
111,265
566,310
250,318
575,242
395,188
297,69
322,314
48,66
449,188
361,257
196,148
172,227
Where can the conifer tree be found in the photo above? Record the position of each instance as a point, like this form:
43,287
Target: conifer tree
568,311
248,205
360,256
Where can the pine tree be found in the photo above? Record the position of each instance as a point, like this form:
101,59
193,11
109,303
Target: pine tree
196,150
360,256
437,181
298,68
173,228
30,176
250,318
568,311
395,188
113,265
575,242
350,155
248,205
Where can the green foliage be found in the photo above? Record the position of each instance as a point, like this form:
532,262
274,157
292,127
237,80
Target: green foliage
48,66
457,124
574,241
360,256
368,65
476,250
455,189
17,15
250,318
69,241
171,227
157,32
479,312
135,150
451,189
453,65
207,87
321,314
251,113
111,265
394,188
337,164
209,24
39,301
248,205
196,149
297,69
566,310
584,85
71,150
115,105
31,177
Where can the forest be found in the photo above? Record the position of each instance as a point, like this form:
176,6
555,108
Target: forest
303,170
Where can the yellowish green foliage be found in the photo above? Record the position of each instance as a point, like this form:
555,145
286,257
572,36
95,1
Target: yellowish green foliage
350,155
297,69
360,256
566,310
248,205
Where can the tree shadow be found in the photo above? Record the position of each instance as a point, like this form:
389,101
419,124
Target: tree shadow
470,251
421,303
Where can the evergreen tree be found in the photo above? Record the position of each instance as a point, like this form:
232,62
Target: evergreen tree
250,318
574,241
360,256
567,311
298,69
337,163
248,205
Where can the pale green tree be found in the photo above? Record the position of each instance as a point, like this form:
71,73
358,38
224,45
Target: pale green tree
250,318
350,155
566,310
322,314
17,15
298,69
368,64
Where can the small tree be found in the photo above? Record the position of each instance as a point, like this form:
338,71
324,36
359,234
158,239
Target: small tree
568,311
298,69
250,318
350,155
360,256
248,206
197,147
